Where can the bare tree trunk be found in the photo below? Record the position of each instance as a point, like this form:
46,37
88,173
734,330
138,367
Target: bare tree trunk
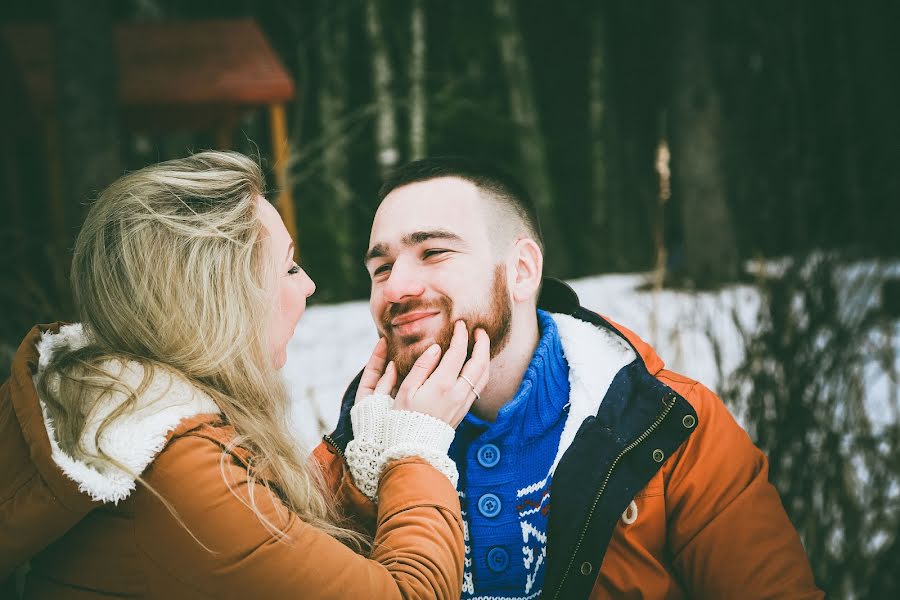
601,222
532,149
382,75
86,100
293,15
710,246
333,93
855,206
417,98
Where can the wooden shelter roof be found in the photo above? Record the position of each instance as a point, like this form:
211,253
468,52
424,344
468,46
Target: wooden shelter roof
167,68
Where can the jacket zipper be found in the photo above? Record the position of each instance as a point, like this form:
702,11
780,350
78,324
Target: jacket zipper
637,442
330,441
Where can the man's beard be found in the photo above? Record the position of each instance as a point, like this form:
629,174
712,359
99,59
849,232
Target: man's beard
495,319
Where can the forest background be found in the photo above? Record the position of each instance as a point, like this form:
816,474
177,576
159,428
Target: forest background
677,139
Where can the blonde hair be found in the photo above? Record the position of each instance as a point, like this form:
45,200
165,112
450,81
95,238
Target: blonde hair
171,271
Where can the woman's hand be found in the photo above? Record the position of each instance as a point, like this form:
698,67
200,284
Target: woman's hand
379,376
443,389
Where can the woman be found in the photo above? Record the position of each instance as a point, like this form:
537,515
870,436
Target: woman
145,452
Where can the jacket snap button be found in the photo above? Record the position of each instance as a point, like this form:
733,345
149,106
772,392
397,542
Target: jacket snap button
488,455
498,560
586,568
689,421
489,505
658,455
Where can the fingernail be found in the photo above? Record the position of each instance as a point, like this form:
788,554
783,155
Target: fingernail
433,349
390,366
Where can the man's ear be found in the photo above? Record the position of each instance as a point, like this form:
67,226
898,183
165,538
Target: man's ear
527,267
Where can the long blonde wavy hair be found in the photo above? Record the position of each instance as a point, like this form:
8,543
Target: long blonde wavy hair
171,270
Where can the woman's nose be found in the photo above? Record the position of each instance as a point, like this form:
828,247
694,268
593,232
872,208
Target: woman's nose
310,285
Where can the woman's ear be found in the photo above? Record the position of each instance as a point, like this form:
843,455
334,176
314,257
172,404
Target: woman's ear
527,267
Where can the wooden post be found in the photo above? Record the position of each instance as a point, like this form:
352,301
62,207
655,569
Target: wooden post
280,151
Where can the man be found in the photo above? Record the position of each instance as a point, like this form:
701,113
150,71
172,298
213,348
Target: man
586,470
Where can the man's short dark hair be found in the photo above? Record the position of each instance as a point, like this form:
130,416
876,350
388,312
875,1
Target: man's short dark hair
489,179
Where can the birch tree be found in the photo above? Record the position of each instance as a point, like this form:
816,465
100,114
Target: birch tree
524,114
417,97
696,145
387,153
599,236
333,100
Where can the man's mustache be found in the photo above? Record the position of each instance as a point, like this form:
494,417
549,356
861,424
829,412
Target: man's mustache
395,310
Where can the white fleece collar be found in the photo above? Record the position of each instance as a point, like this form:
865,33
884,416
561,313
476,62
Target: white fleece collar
594,355
132,439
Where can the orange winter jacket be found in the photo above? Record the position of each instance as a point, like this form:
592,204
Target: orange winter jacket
660,495
113,538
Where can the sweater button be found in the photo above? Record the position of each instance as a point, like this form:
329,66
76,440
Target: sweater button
489,505
488,455
586,568
497,560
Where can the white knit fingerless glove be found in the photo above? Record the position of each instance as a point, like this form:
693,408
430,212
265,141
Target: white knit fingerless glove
381,434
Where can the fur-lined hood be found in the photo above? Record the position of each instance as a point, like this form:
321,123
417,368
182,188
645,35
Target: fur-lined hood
43,490
135,438
594,357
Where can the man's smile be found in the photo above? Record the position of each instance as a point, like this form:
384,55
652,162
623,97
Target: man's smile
411,322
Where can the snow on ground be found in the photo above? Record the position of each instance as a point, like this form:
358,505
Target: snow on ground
697,334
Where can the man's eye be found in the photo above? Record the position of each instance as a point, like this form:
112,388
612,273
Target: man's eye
294,270
434,252
381,269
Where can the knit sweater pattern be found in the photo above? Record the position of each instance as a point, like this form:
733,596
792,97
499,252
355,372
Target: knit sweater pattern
505,476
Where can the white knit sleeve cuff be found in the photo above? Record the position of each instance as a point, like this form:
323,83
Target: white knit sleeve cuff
364,451
381,435
406,427
409,433
368,417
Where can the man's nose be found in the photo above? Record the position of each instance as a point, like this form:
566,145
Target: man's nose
403,282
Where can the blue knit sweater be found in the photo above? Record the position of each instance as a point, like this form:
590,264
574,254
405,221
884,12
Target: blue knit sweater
504,480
